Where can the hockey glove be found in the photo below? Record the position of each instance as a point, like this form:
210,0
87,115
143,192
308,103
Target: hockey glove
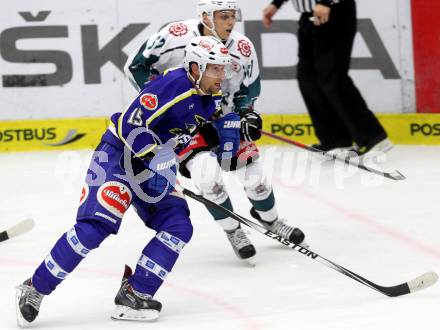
251,124
228,129
163,170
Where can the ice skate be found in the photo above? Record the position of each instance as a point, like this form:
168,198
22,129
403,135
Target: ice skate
28,301
381,146
328,153
279,227
241,245
132,305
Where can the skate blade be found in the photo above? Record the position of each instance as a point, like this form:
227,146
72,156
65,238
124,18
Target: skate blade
252,261
322,157
21,321
129,314
304,244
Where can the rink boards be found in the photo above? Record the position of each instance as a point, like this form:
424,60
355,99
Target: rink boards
65,60
62,68
85,133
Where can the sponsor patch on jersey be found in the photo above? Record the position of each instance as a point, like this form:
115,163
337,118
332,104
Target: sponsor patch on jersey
115,197
178,29
244,47
84,194
149,101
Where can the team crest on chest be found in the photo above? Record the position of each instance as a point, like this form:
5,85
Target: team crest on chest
244,47
149,101
178,29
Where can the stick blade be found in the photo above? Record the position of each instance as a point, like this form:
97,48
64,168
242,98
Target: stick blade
21,227
395,175
423,281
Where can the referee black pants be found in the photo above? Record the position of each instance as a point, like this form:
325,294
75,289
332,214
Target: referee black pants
339,114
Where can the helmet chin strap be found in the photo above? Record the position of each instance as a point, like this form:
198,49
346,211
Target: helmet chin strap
213,31
197,83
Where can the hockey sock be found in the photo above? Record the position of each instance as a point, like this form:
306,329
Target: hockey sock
68,252
156,261
227,223
265,207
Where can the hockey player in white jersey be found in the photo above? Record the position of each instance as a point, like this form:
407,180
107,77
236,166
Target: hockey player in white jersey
165,49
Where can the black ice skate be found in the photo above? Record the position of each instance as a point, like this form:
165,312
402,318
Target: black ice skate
279,227
28,301
243,248
133,305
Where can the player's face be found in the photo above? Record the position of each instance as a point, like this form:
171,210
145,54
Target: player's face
224,22
212,78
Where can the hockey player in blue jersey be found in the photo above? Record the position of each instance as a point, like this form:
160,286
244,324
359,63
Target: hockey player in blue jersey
164,49
135,165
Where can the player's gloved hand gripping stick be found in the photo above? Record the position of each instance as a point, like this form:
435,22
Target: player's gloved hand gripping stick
251,125
163,167
228,128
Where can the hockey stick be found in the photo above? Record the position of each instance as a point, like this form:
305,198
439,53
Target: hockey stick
419,283
17,229
395,175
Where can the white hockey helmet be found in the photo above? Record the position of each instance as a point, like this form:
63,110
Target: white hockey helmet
210,6
205,50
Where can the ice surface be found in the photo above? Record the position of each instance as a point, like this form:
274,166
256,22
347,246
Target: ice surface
386,231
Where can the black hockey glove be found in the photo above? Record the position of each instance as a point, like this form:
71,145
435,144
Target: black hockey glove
251,124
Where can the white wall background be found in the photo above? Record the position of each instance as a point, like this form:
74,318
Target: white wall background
77,99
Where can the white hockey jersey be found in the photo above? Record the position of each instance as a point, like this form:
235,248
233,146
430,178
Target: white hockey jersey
165,49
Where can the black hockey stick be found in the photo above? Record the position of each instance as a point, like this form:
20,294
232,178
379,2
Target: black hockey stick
395,175
419,283
17,229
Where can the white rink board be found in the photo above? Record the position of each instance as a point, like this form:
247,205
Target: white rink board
76,98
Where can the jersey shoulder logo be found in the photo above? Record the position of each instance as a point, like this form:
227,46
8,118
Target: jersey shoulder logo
149,101
178,29
244,47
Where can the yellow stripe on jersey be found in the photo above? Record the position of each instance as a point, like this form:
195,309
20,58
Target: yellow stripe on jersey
158,112
143,154
119,130
168,71
169,104
121,137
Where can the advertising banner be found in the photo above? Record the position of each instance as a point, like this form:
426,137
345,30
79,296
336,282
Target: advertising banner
52,134
63,59
423,129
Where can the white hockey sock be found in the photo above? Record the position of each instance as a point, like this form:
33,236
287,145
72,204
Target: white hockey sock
228,224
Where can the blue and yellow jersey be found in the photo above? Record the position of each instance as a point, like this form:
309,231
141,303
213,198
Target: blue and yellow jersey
165,107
